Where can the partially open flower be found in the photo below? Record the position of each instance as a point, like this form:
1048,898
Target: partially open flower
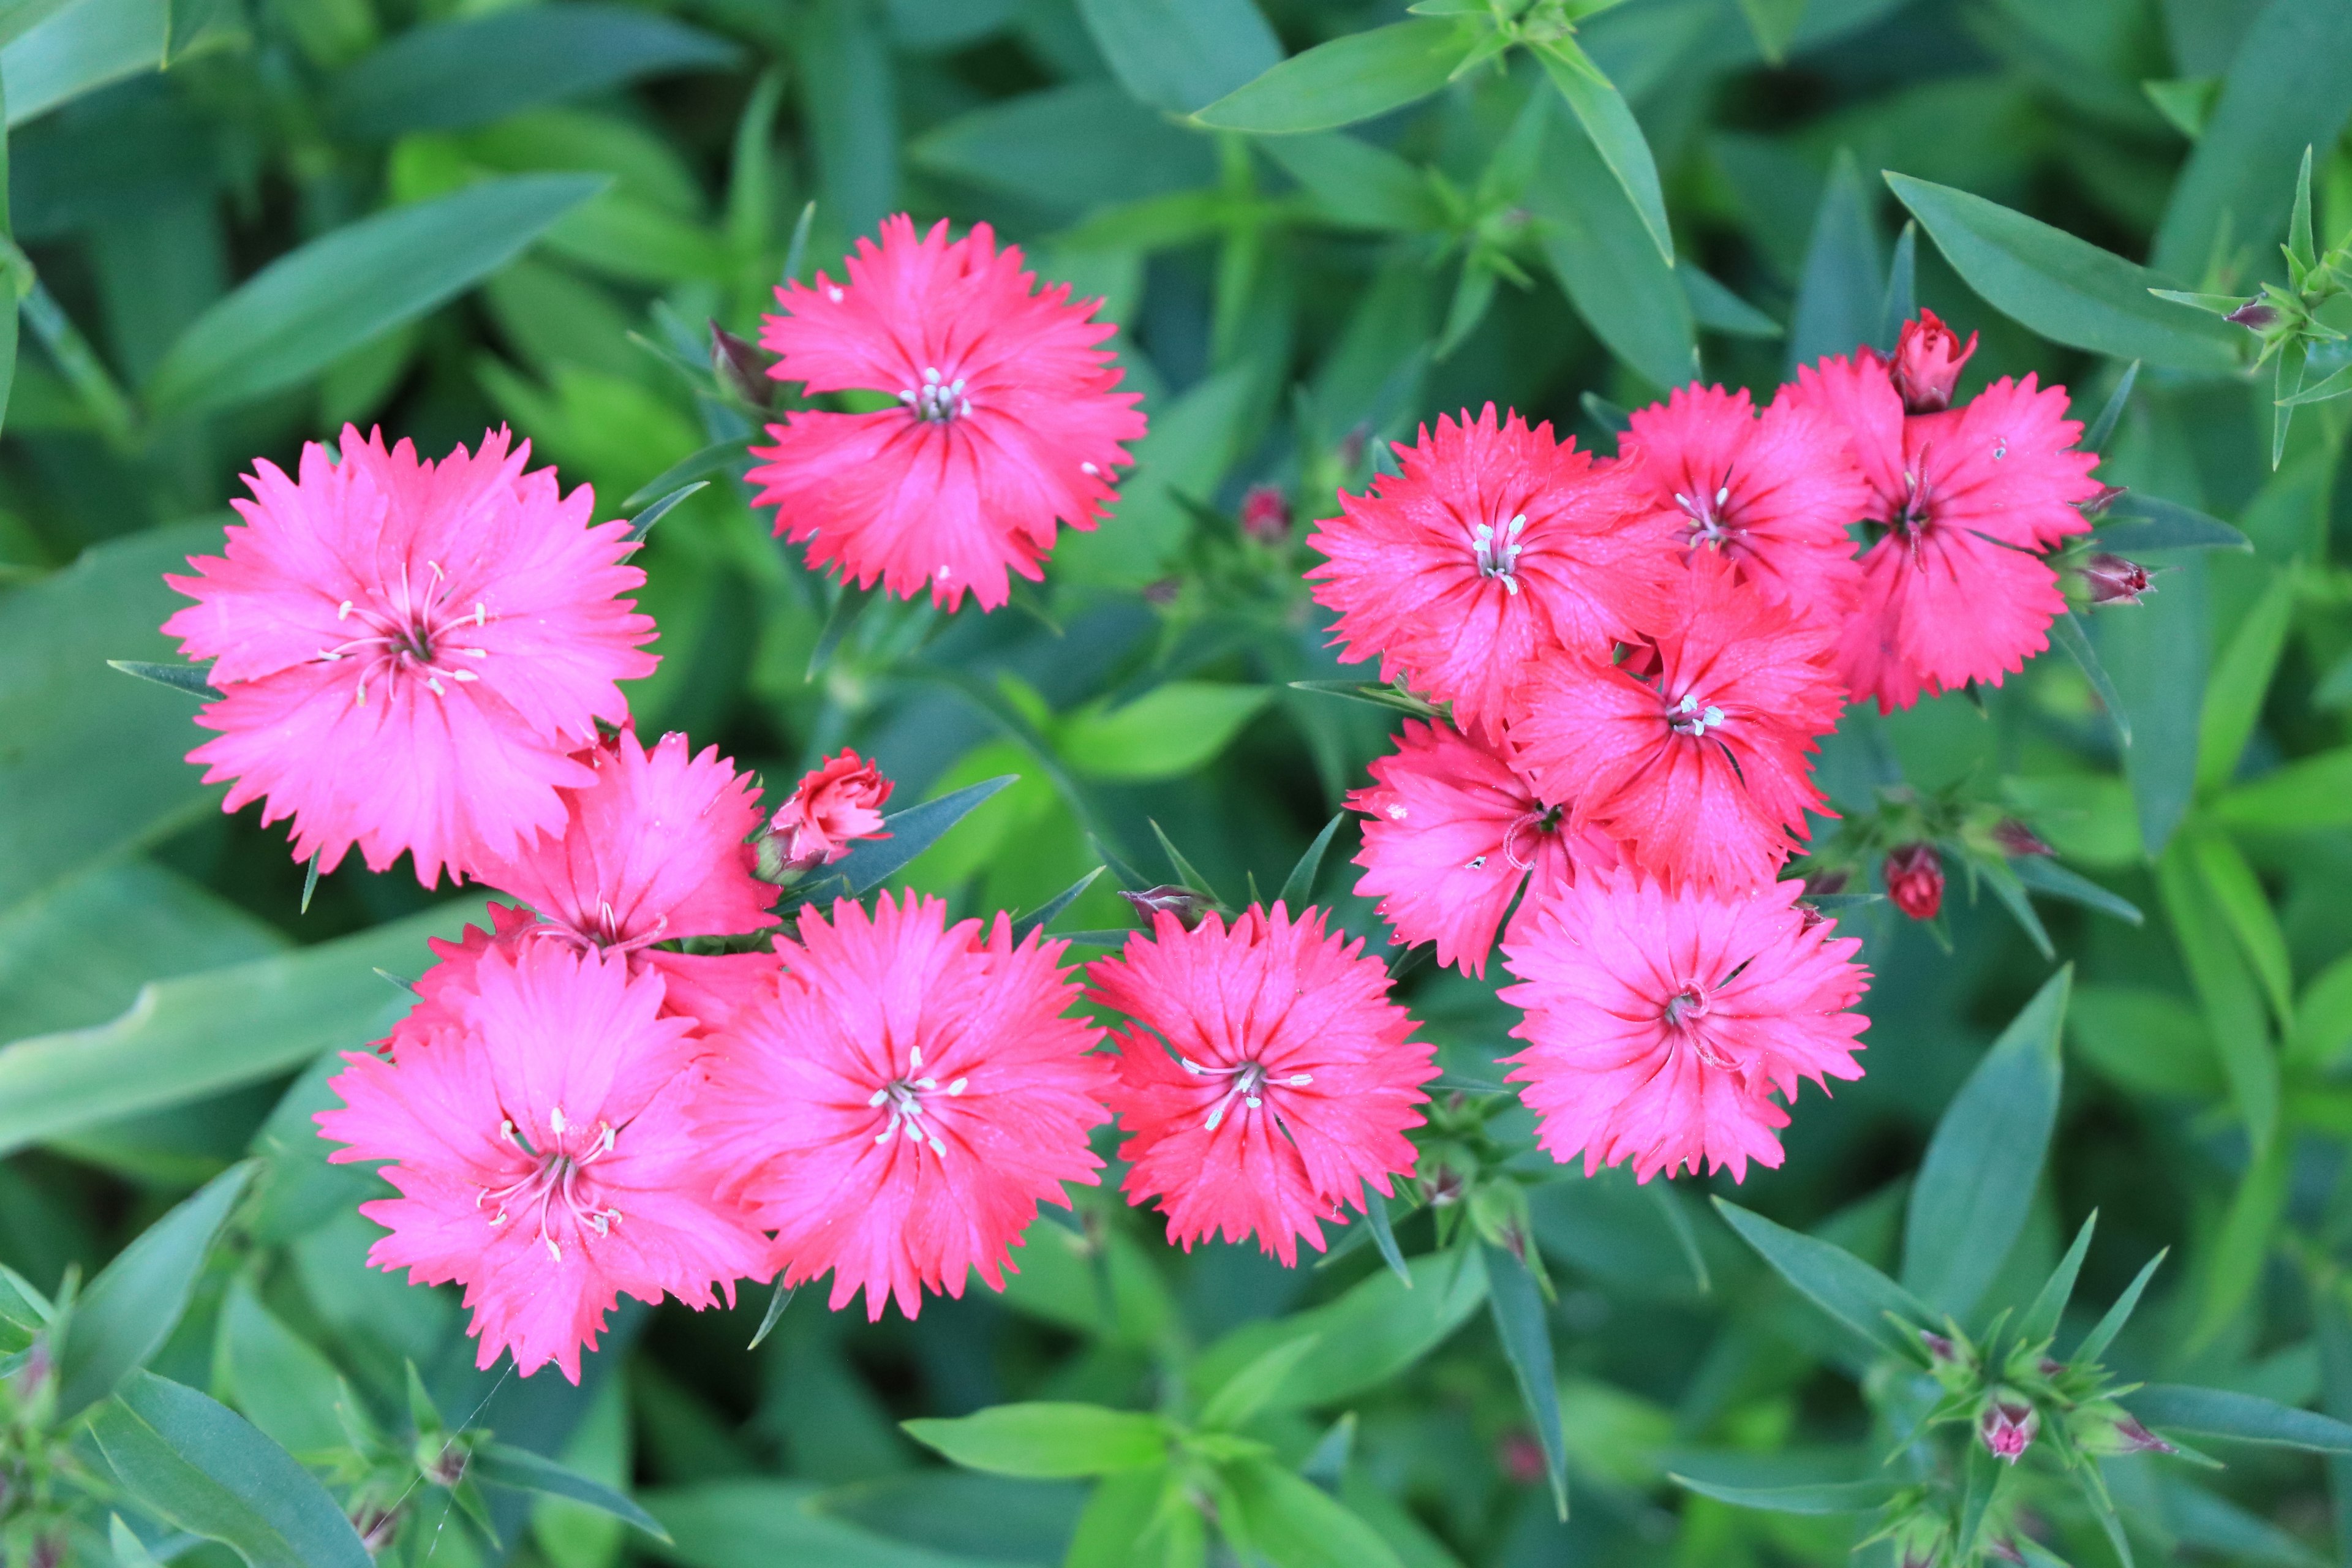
2112,580
1929,359
838,803
2007,1424
1914,880
1173,898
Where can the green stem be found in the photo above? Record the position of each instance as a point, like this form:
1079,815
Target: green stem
109,407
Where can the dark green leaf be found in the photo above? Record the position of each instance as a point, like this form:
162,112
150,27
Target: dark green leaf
1044,914
912,831
310,306
1358,186
1997,875
77,49
1186,873
1841,294
279,1381
1977,1181
1612,132
520,1469
1049,1440
188,677
642,523
1368,1336
2135,524
1821,1497
2046,876
1900,302
1608,262
1179,55
1525,1329
779,1298
2041,1320
1298,888
1718,309
1608,415
205,1468
2111,1323
2065,289
1376,1219
131,1308
1386,697
2067,632
2155,653
848,604
1354,77
2111,413
1837,1282
1293,1523
2248,1418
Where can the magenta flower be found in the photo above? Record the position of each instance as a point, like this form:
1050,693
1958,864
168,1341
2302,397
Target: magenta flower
1664,1028
1007,428
899,1102
410,652
539,1142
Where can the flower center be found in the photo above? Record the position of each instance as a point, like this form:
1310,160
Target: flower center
604,933
1709,522
937,401
1918,501
1499,557
1541,820
1249,1081
556,1182
904,1098
1687,718
1683,1009
412,634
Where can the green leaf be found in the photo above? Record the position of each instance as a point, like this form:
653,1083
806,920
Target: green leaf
2225,990
779,1298
849,602
1354,77
1376,1219
1187,874
1380,1327
1718,309
1355,184
642,523
196,1034
2155,654
1298,888
205,1468
1044,914
78,47
2233,697
1049,1440
278,1380
2323,1016
2289,85
1839,296
1600,251
1293,1523
2248,1418
743,1522
2065,289
2049,1304
1836,1281
2245,910
1614,134
1523,1326
1193,441
1774,22
131,1307
2045,875
129,1552
1069,149
912,831
520,1469
2323,391
1386,697
1821,1497
730,458
2135,524
2066,631
2311,792
1996,873
1173,729
2111,413
1901,302
1975,1183
188,677
2234,1266
2111,1323
1178,55
310,306
447,76
1245,1393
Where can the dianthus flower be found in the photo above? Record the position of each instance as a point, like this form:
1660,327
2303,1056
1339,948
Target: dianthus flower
1662,1026
1495,548
1008,424
1266,1077
410,652
1453,834
835,803
1699,768
540,1143
1956,589
896,1106
1773,494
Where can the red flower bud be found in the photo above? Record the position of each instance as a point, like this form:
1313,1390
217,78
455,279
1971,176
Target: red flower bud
1928,362
2112,580
2254,316
838,803
2007,1424
1265,514
741,368
2107,1427
1182,903
1914,880
2015,838
1522,1459
2106,497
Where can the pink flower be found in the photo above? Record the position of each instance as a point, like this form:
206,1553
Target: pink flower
1495,548
1453,834
410,652
541,1147
839,802
1662,1025
899,1104
1773,495
1956,589
1265,1079
1009,424
1700,769
1929,358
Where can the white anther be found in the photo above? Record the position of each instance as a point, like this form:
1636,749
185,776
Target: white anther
833,294
957,1086
555,1119
1396,814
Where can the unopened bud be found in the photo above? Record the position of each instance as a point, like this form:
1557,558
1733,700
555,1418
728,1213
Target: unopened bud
1168,897
2255,315
2107,496
2007,1424
1822,883
441,1462
2000,1546
2105,1427
739,367
1914,880
1521,1458
1940,1351
1265,514
2017,839
1929,358
2112,580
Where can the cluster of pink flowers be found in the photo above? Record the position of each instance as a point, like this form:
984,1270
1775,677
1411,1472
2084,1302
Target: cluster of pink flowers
1639,655
637,1081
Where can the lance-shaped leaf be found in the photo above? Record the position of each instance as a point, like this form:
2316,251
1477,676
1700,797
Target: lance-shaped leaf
192,678
2044,875
1840,305
2102,426
642,523
1609,124
2247,1417
1293,1523
1836,1281
520,1469
1521,1323
1354,77
1047,1440
1820,1497
1178,55
1298,888
2067,632
730,457
2135,524
2041,1320
1047,912
2111,1322
912,831
1386,697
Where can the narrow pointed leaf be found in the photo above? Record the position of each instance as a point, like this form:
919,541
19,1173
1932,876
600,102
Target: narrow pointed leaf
1376,1220
1386,697
1047,912
191,679
642,523
2111,1322
847,606
1615,134
520,1469
2067,632
779,1298
1354,77
2041,1320
1525,1329
2135,524
1298,888
1839,295
2094,437
796,252
912,831
1049,1441
1185,871
2248,1418
310,879
1821,1497
1836,1281
1901,302
2045,875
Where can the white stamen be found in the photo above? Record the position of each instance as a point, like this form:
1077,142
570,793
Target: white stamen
555,1119
1498,559
1396,814
957,1086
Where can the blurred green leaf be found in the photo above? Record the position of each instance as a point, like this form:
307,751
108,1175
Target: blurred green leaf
2155,654
290,320
2230,1000
2067,630
129,1552
1718,309
1358,186
1836,1281
1069,147
2245,910
78,47
2046,876
1369,1335
1049,1441
1612,132
2250,1418
1774,22
1838,297
1178,55
205,1468
2049,1304
1168,731
2310,792
1977,1181
1298,888
520,1469
1523,1326
2065,289
1244,1394
2111,1322
1821,1497
2233,697
1354,77
1607,261
280,1381
2323,1017
2135,524
2234,1264
1293,1523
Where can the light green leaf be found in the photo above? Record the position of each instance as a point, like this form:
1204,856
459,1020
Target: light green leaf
1171,731
79,46
1049,1441
1975,1183
2323,1017
2234,1266
2049,1303
2250,1418
2065,289
1369,1335
2231,1003
1774,22
1836,1281
1354,77
129,1552
1245,1393
281,1383
769,1524
2246,909
1613,133
290,319
1293,1523
2311,792
2234,695
1358,186
1178,55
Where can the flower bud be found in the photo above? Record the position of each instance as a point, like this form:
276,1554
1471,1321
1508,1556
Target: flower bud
1825,882
2007,1424
1928,362
2000,1546
2106,496
2105,1427
1914,880
837,803
1265,514
2017,839
2256,316
2112,580
1521,1458
1185,904
739,368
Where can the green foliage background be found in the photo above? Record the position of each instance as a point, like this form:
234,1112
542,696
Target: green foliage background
441,216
